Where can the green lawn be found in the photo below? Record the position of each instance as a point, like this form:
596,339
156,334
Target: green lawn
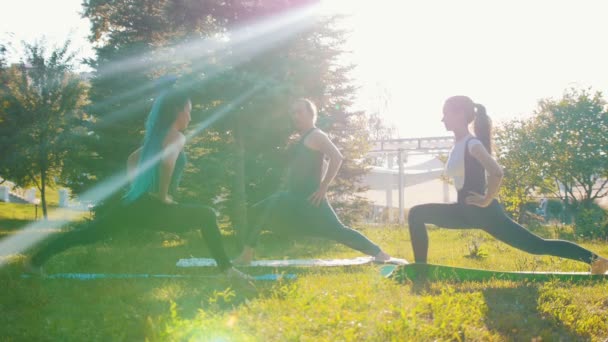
322,304
31,212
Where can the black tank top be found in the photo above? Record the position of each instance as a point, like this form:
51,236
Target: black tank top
305,168
474,175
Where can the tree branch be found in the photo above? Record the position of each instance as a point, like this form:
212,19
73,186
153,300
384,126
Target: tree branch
596,196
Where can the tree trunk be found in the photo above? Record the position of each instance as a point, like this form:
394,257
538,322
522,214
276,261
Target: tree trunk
240,198
567,207
43,194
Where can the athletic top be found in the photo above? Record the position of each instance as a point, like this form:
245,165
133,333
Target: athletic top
474,173
455,166
305,168
178,171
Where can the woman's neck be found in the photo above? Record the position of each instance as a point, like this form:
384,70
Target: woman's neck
172,130
307,128
462,133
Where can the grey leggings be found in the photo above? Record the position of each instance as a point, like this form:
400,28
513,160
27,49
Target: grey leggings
294,215
492,220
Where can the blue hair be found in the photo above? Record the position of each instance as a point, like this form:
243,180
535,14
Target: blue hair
163,114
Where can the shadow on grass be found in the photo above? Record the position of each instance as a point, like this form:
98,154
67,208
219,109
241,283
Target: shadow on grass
513,312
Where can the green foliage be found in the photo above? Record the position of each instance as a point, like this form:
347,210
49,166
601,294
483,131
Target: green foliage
554,208
476,249
42,118
2,56
562,302
572,143
326,304
515,146
22,214
560,151
242,157
590,222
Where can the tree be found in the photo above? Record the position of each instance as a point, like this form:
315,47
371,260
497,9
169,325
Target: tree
43,101
240,157
307,65
515,151
3,107
573,144
2,56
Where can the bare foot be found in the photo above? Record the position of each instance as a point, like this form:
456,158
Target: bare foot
599,266
382,257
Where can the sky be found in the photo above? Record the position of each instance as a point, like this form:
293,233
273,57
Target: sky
505,55
411,55
58,20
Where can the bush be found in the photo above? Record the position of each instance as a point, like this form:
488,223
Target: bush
591,222
554,208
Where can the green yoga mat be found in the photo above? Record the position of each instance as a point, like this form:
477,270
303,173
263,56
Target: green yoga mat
439,272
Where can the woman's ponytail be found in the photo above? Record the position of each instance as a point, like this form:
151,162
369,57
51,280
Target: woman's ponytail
483,126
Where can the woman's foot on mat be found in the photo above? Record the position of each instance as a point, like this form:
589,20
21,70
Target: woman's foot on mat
599,266
383,258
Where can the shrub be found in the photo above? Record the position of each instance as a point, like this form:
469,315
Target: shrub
591,222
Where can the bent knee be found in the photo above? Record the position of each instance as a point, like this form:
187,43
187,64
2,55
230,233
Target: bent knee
415,213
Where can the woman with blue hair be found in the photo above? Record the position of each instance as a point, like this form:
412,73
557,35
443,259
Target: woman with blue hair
154,170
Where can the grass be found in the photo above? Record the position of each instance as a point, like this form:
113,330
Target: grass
31,212
322,304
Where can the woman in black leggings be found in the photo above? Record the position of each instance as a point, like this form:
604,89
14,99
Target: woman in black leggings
155,170
469,162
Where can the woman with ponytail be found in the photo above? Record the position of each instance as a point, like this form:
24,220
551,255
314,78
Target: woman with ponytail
477,177
154,171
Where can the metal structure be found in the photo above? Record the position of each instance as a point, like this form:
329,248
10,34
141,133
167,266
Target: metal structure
402,148
429,145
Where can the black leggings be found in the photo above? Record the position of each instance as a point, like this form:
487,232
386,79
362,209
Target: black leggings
146,213
491,219
295,215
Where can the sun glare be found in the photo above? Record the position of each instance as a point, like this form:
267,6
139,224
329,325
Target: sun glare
412,55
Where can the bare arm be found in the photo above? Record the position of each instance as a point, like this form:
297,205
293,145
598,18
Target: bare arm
171,149
132,162
495,175
321,142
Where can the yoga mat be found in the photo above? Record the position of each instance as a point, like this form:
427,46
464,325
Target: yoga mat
440,272
94,276
206,262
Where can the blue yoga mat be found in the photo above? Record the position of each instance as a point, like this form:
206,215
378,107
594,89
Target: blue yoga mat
94,276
